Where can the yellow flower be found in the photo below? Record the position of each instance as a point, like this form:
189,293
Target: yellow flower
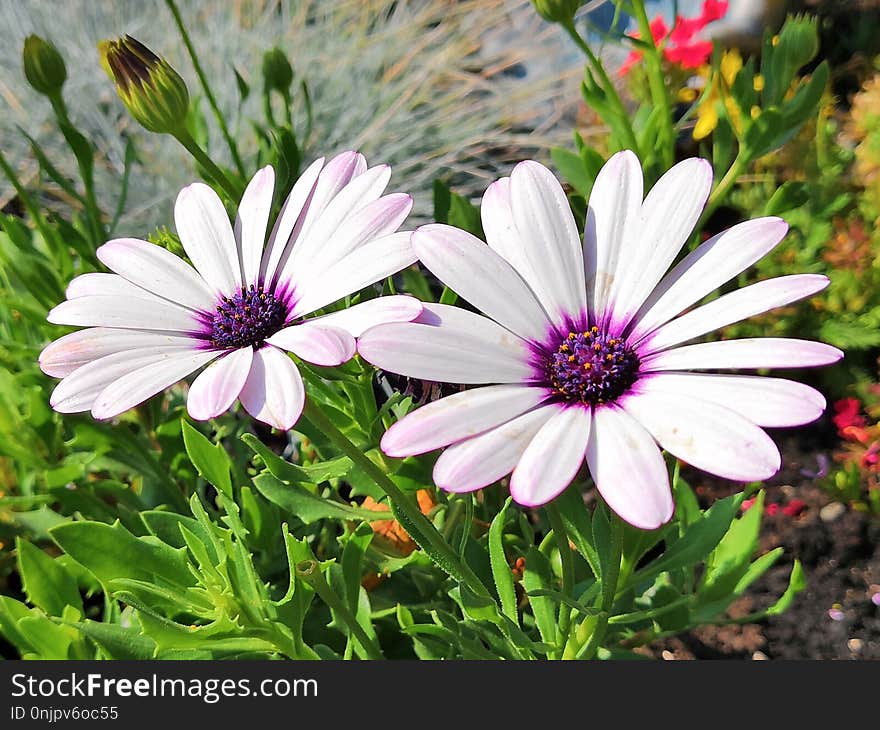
707,115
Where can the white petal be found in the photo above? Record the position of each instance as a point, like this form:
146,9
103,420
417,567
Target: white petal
546,224
370,263
482,460
338,173
252,220
759,352
735,306
207,237
153,268
315,236
127,312
137,386
77,392
612,212
665,222
380,218
706,435
273,392
289,222
628,469
61,357
768,402
474,271
707,267
316,343
455,346
552,459
218,385
105,285
358,319
459,417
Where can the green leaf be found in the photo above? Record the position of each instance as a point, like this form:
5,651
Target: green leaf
292,473
698,540
578,523
451,208
49,640
111,551
309,507
211,460
501,571
788,196
538,577
118,642
572,168
796,583
47,583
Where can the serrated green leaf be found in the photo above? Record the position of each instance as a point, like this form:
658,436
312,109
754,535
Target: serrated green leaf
501,572
47,583
211,460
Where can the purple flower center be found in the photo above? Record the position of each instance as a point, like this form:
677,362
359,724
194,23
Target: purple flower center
591,367
247,318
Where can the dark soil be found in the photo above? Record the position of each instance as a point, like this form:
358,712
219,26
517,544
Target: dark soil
839,548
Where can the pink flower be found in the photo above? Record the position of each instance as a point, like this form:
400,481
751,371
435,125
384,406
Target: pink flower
240,306
794,508
582,350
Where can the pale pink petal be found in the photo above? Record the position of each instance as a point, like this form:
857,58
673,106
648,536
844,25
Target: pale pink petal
456,347
482,460
760,352
137,386
77,392
474,271
706,435
707,267
289,222
61,357
252,221
218,385
768,402
157,270
127,312
207,237
358,319
459,417
612,213
380,218
544,219
273,392
665,222
316,343
337,173
735,306
552,458
372,262
628,469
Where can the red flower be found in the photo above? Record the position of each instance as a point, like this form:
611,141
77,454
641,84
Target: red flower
771,510
794,508
847,415
713,10
692,55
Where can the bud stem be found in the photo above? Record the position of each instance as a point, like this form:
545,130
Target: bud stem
214,172
203,80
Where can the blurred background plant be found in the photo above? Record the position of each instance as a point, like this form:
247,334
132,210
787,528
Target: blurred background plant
162,539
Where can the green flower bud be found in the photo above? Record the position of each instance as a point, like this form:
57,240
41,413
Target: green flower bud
43,65
149,87
277,71
557,11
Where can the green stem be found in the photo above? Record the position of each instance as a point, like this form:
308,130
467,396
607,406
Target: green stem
657,85
609,591
233,148
310,572
607,85
402,502
565,554
219,177
724,185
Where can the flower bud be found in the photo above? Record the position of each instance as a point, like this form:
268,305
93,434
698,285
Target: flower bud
277,71
557,11
149,87
43,65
